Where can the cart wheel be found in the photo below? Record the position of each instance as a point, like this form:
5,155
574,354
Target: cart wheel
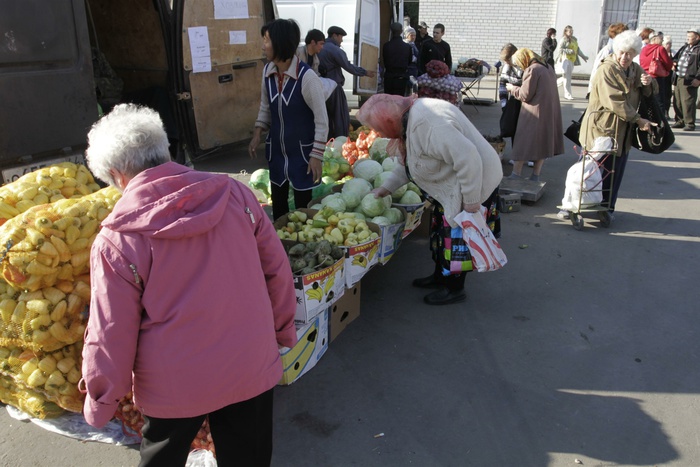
576,221
605,218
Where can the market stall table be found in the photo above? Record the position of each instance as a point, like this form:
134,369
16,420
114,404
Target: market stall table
467,84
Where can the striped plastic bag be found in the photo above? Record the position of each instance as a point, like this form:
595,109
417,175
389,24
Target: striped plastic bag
486,253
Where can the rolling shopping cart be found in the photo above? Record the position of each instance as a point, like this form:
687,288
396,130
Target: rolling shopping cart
590,181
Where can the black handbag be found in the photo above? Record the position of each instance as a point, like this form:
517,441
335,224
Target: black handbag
659,137
573,131
509,117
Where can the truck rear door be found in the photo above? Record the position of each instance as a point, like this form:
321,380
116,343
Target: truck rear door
220,68
46,84
367,43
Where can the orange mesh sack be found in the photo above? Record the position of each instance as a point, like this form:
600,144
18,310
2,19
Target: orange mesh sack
46,185
51,242
55,375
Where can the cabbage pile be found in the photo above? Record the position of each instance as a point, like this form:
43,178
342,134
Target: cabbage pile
356,196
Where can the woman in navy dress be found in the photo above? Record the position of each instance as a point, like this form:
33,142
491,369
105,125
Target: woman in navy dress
293,111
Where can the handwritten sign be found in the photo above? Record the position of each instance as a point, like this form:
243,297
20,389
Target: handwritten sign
199,49
230,9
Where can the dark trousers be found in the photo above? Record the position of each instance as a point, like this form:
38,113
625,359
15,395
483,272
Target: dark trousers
684,103
395,85
610,194
242,435
664,96
280,196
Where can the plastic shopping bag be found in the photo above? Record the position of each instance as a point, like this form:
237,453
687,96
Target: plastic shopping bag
583,185
486,253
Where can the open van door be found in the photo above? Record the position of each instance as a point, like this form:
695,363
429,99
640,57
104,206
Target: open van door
367,45
46,85
220,65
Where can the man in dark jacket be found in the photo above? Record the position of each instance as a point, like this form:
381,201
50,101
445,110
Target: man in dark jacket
423,35
397,56
333,62
549,44
435,49
687,63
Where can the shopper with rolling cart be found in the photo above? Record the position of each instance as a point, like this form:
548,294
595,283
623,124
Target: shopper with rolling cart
617,89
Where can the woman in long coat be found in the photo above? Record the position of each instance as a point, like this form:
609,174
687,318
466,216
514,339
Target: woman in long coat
618,86
539,134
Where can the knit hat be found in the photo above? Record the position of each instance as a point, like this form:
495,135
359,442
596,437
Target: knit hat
408,30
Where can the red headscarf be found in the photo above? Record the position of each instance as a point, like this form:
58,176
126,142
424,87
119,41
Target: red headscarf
383,113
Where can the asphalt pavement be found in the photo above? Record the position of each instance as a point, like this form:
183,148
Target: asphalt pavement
583,350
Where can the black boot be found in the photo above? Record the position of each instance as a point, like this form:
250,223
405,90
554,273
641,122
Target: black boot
445,296
430,282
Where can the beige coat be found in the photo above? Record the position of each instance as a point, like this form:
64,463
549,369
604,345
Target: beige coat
539,134
447,157
615,96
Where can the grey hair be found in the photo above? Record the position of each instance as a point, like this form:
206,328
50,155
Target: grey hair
667,40
129,139
627,41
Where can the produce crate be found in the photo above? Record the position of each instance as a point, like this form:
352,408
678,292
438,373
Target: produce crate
344,311
414,213
318,290
361,258
312,345
391,238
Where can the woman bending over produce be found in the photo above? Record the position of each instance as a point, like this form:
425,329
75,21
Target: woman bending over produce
443,153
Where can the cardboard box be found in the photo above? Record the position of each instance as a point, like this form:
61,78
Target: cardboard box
312,345
330,281
361,258
414,213
344,311
391,238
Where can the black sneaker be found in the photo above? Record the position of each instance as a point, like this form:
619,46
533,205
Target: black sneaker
445,296
430,282
678,125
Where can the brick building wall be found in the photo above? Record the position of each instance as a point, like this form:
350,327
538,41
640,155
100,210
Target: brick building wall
673,17
477,28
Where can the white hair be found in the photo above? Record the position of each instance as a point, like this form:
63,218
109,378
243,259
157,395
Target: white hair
129,139
667,40
627,41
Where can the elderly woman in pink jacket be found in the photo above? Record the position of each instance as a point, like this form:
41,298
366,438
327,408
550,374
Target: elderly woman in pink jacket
192,295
